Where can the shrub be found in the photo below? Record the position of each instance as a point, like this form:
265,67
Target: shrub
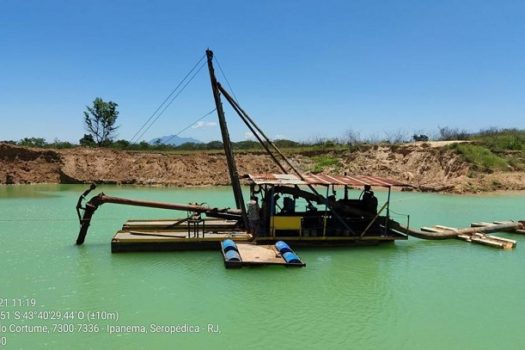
32,142
481,156
324,161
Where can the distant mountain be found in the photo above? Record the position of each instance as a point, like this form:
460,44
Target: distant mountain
173,140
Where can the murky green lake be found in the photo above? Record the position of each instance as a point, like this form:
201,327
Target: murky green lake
413,294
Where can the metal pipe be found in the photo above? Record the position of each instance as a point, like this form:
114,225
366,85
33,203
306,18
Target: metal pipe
101,198
150,204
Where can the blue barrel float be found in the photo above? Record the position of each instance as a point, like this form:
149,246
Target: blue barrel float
228,245
232,255
287,253
291,258
232,258
282,247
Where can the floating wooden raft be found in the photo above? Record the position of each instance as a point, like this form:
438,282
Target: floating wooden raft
477,233
237,255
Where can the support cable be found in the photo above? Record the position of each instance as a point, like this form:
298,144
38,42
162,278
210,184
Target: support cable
190,125
225,78
254,132
264,144
167,98
247,117
169,103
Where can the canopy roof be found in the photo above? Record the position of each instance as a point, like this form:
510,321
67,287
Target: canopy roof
348,180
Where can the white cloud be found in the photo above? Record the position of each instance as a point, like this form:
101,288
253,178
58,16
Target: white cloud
248,135
279,137
202,124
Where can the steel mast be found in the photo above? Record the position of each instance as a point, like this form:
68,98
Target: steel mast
232,168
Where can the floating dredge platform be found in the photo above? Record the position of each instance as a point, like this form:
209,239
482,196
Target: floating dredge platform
303,209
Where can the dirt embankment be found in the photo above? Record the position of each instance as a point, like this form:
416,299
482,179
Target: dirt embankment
429,168
426,168
20,165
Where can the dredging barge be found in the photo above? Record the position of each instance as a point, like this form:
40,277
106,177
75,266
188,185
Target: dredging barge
302,209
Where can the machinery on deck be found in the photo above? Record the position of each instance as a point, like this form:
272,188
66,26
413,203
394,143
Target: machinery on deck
289,211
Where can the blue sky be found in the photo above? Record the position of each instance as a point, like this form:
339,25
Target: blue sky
302,69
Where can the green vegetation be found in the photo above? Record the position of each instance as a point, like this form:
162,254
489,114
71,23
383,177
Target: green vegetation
480,156
32,142
501,140
213,146
87,141
324,161
40,143
495,149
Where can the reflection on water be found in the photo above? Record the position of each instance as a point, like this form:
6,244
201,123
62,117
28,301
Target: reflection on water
412,294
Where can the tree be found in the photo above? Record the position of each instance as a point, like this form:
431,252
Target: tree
284,143
33,142
214,145
121,144
100,121
144,145
87,141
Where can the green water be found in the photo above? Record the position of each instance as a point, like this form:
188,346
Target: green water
409,295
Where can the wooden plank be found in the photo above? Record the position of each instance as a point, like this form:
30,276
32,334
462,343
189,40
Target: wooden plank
503,239
507,243
446,228
503,222
430,229
464,237
481,224
490,228
260,254
487,242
